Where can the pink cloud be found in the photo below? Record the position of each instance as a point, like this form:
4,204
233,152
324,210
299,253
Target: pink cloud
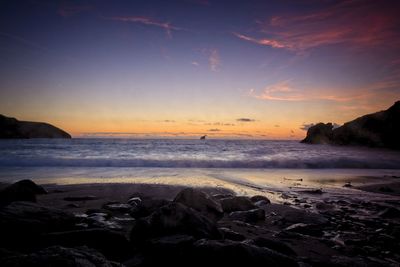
355,23
167,26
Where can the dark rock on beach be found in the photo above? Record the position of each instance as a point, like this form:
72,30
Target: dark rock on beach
24,190
380,129
237,204
172,219
13,128
201,202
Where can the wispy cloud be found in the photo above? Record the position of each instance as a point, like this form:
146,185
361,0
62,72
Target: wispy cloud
195,63
286,91
354,23
167,26
214,60
245,120
214,130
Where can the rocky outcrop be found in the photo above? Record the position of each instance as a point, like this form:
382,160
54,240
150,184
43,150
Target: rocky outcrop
380,129
13,128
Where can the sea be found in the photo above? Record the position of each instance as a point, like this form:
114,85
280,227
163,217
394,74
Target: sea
237,164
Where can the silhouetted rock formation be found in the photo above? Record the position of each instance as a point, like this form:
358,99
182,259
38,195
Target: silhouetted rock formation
380,129
13,128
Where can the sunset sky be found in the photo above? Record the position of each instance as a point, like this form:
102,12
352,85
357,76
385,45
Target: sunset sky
228,69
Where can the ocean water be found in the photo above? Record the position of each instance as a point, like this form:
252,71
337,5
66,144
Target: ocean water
245,166
190,154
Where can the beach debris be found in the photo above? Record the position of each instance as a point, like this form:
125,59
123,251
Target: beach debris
201,202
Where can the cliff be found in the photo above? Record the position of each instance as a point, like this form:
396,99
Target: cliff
380,129
13,128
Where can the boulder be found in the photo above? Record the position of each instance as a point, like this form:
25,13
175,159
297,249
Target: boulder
173,219
201,202
22,222
258,198
146,207
237,204
233,253
60,257
24,190
249,216
113,245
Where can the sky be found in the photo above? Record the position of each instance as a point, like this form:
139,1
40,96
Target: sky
180,69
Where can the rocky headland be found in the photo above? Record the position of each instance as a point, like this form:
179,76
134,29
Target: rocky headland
380,129
11,128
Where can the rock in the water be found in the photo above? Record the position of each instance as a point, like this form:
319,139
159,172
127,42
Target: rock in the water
232,253
24,190
237,204
13,128
22,222
249,216
112,244
258,198
173,219
60,257
201,202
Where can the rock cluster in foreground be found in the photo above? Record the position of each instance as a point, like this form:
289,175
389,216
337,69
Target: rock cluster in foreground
194,229
13,128
380,129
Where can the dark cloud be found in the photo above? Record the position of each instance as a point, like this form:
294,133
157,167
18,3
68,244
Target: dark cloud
245,120
214,130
